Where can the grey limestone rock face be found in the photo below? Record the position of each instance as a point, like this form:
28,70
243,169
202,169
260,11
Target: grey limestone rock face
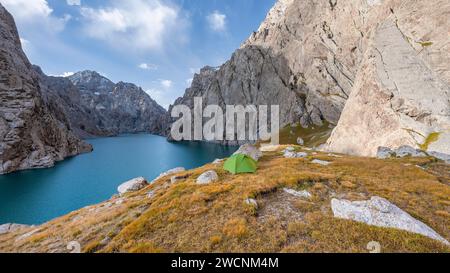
401,92
31,134
370,67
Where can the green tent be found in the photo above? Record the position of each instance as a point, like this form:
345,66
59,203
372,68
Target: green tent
240,163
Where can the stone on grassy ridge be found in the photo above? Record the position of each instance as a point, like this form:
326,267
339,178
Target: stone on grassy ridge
301,194
5,228
207,177
380,212
171,171
250,150
132,185
321,162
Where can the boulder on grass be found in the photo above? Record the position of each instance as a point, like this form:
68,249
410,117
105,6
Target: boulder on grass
385,152
171,171
405,150
132,185
301,194
5,228
250,150
207,177
380,212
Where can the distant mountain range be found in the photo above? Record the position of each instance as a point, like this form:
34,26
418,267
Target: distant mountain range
43,119
95,106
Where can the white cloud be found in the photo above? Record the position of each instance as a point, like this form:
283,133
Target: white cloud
64,75
147,66
135,24
35,13
67,74
74,2
166,83
217,21
189,81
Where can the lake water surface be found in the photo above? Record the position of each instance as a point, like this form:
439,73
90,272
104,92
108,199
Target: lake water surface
36,196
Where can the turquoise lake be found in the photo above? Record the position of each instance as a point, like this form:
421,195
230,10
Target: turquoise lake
36,196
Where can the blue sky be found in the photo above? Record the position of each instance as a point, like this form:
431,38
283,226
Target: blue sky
156,44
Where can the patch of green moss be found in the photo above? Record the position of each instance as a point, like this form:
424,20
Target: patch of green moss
426,43
433,137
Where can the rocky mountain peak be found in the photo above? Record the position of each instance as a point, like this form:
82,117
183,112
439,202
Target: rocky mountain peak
91,81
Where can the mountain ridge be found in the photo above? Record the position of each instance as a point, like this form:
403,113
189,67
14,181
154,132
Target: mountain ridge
309,57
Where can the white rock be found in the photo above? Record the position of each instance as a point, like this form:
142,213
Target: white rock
119,201
321,162
207,177
250,150
217,161
384,152
300,141
171,171
380,212
269,148
405,150
150,194
5,228
289,149
132,185
26,235
334,155
301,194
289,154
251,202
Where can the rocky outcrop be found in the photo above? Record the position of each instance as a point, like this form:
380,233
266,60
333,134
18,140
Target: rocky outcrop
207,177
171,171
298,59
132,185
31,135
290,152
249,150
380,212
385,61
6,228
300,194
321,162
401,94
95,106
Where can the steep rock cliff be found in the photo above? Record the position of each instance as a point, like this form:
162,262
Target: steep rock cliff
401,94
384,64
303,58
30,135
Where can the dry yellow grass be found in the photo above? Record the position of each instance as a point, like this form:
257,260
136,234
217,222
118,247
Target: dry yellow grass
186,217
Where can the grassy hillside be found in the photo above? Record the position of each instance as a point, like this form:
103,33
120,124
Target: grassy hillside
186,217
